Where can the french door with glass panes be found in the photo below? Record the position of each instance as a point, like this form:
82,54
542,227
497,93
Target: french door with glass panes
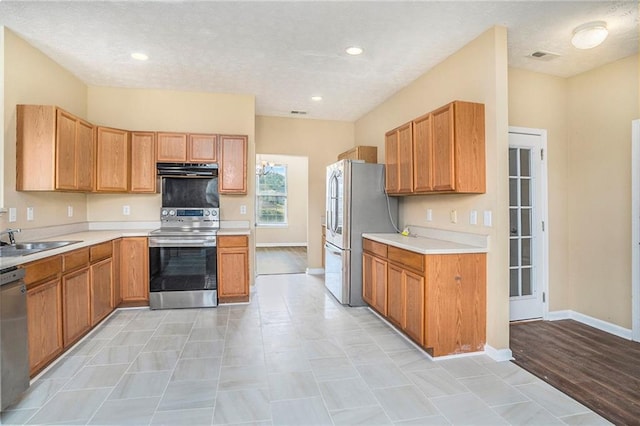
527,212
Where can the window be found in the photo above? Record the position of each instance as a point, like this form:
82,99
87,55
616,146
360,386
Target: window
271,195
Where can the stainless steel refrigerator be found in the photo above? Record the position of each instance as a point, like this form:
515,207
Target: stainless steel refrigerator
356,203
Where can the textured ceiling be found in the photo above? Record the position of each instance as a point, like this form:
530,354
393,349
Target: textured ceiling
286,52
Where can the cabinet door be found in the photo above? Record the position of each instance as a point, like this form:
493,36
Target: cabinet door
134,270
233,269
413,304
380,285
392,183
76,311
443,149
203,148
172,147
405,159
44,324
143,162
85,156
422,154
233,165
65,151
112,160
395,293
100,290
367,278
116,295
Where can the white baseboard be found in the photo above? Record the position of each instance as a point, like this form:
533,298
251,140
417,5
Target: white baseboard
315,271
498,354
281,244
605,326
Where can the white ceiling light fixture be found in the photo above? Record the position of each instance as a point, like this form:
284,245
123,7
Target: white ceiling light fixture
316,98
139,56
354,50
589,35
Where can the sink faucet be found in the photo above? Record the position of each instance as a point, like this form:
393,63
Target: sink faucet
10,232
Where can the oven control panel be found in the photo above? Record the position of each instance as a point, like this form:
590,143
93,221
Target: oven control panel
206,216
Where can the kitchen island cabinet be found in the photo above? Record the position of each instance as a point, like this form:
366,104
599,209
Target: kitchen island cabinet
438,299
233,268
54,150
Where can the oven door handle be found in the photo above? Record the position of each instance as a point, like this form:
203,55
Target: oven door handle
171,242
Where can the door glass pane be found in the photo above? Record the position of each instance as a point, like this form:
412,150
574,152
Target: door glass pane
525,194
526,252
525,222
513,222
513,192
513,162
525,162
526,282
513,283
513,252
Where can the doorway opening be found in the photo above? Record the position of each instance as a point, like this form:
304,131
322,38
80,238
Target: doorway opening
528,224
281,214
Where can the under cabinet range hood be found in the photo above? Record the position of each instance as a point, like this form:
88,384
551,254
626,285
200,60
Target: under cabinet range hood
188,170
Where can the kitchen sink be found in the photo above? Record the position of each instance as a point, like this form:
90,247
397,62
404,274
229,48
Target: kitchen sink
22,249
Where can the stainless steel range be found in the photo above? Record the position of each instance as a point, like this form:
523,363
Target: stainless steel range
183,259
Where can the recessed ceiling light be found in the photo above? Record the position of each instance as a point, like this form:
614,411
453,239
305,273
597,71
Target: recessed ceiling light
589,35
316,98
139,56
354,50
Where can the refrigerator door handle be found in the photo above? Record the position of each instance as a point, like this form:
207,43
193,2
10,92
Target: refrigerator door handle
332,249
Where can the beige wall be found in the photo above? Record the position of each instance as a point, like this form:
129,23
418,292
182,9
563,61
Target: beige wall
601,105
30,77
539,101
295,232
478,73
320,141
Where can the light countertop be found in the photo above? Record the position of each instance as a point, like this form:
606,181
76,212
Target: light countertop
448,242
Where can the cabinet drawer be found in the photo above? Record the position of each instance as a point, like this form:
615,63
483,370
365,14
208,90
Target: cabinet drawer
42,269
379,249
75,259
233,241
100,251
407,258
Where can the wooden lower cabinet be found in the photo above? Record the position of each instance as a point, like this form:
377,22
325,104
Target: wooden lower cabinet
233,268
134,271
438,300
44,324
101,290
76,309
116,295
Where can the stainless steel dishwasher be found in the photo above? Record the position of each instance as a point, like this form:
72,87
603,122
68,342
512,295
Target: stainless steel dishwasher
14,353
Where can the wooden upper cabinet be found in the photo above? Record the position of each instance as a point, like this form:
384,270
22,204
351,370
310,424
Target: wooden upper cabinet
447,152
172,147
203,148
233,165
112,160
399,160
54,150
422,154
369,154
143,162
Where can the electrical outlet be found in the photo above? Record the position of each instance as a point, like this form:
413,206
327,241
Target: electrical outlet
473,217
453,214
126,210
429,215
29,213
487,218
243,209
70,211
13,214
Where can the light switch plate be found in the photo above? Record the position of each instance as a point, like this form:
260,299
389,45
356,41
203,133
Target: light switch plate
12,214
243,209
487,218
453,216
29,213
473,217
429,215
126,210
70,211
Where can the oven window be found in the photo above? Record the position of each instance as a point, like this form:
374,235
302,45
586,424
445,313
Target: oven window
190,192
182,268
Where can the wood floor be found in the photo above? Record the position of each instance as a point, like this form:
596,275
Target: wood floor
598,369
281,260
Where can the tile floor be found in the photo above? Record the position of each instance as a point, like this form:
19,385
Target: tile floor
293,356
